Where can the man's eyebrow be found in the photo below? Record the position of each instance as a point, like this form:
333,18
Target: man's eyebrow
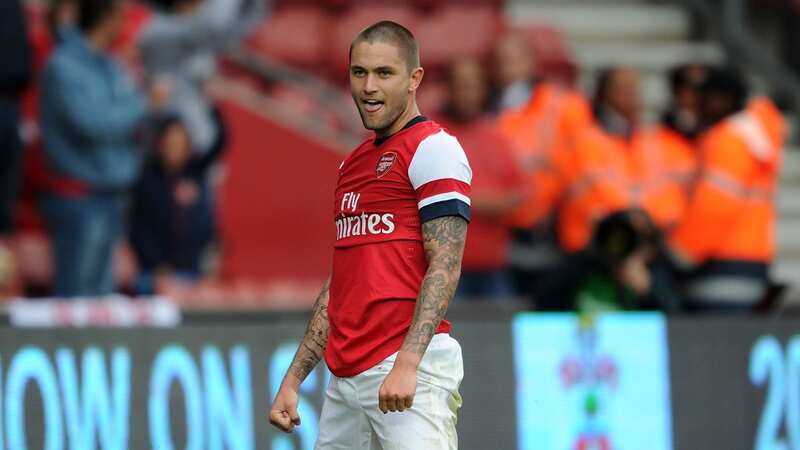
375,69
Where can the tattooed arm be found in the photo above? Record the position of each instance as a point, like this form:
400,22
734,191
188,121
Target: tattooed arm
443,239
312,346
444,245
284,409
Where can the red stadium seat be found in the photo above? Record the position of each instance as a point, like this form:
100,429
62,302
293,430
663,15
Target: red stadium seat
294,35
434,4
455,32
431,97
356,20
553,58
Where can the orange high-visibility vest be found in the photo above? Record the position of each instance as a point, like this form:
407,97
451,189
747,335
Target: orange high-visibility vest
541,133
662,165
731,214
652,170
597,184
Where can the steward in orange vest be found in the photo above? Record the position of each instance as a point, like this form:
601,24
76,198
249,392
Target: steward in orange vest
541,133
617,165
726,240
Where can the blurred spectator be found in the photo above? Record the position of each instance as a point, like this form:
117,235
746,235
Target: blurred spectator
683,114
89,113
542,133
172,218
667,173
30,243
613,272
514,73
62,14
497,187
15,73
597,171
182,45
725,243
620,164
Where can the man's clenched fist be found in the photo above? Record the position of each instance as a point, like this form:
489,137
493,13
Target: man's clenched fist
284,410
398,389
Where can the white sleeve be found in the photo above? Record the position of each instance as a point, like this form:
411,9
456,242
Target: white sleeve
441,177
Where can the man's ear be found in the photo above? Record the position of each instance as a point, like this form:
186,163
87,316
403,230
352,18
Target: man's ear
416,78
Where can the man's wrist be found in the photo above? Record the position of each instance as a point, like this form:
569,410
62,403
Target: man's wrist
291,382
407,360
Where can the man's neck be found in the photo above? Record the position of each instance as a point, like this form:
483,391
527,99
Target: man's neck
411,112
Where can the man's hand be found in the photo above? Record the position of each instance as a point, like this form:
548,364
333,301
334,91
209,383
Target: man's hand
283,414
633,272
398,389
284,409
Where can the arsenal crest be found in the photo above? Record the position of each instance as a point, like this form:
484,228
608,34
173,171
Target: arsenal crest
385,163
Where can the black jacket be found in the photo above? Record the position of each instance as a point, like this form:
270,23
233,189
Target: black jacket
15,69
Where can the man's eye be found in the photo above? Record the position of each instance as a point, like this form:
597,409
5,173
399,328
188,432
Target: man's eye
384,73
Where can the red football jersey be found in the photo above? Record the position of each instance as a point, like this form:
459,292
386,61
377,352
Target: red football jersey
386,189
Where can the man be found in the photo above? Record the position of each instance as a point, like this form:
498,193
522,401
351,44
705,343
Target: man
596,173
15,73
182,44
401,209
89,113
619,164
725,242
497,187
542,130
683,114
668,173
514,76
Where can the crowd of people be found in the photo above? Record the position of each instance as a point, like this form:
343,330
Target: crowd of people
577,202
120,133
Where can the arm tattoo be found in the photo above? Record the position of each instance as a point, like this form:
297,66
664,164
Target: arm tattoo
443,239
312,346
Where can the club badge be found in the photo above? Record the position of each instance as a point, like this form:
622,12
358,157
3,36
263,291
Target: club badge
385,163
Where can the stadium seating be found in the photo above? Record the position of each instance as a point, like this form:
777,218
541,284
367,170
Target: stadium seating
431,97
294,35
455,31
315,35
554,60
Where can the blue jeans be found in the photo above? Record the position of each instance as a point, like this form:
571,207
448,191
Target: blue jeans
490,284
83,233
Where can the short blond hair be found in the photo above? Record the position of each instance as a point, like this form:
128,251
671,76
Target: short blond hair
391,33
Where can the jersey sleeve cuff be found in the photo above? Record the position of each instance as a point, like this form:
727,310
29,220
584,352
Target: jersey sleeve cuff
452,207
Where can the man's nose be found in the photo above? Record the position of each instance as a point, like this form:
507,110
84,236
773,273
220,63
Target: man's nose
370,85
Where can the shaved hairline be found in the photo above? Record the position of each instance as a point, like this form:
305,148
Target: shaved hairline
392,33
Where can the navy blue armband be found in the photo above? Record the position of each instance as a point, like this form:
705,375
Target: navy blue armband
452,207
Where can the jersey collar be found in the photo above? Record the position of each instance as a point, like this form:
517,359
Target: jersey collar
409,124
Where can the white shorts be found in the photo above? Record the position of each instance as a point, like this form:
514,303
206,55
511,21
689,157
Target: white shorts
351,420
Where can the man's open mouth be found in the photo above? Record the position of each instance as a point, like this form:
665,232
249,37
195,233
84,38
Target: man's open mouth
372,106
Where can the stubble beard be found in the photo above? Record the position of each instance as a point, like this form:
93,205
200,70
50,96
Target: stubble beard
376,125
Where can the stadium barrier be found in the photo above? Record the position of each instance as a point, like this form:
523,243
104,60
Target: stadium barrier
635,381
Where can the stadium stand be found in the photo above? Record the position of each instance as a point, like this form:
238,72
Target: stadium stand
291,86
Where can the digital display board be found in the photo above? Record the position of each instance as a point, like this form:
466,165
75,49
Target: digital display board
632,381
598,383
736,383
202,388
